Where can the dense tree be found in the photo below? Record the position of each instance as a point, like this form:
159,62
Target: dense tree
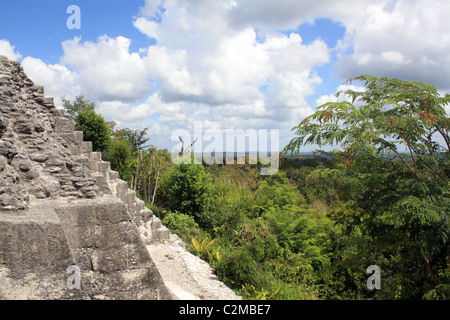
188,189
72,109
94,129
142,166
396,157
155,162
137,139
120,156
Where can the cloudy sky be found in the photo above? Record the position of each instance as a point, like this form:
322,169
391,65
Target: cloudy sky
230,64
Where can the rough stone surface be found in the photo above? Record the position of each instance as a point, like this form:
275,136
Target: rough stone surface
186,275
38,149
69,228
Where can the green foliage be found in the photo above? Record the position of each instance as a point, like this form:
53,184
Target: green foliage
396,114
140,165
238,268
154,163
256,294
188,189
120,155
94,129
311,230
182,224
273,193
207,251
258,239
231,203
398,174
72,109
318,190
267,243
137,139
303,231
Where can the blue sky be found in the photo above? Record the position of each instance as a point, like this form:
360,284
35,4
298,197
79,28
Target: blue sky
39,27
231,64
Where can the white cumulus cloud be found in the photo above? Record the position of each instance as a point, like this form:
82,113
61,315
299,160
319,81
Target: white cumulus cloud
406,39
106,69
57,79
8,50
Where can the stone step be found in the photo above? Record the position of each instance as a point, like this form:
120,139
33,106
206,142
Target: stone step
161,233
78,137
104,167
130,201
48,102
147,214
113,180
131,197
86,146
121,190
59,112
156,224
94,159
113,175
101,182
69,137
74,141
140,205
34,242
109,183
64,125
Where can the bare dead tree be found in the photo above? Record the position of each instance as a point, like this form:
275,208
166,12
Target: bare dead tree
183,151
136,172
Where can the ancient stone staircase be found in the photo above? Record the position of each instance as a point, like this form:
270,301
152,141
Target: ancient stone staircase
62,206
149,226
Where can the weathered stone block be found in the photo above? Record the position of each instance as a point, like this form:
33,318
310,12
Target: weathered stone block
86,146
63,125
39,157
113,175
104,168
48,102
33,246
121,190
94,158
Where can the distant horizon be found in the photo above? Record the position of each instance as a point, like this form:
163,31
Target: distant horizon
247,153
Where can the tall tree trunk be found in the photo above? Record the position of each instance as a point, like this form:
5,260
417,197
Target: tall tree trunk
156,186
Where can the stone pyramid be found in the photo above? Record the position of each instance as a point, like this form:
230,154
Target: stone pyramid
69,228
